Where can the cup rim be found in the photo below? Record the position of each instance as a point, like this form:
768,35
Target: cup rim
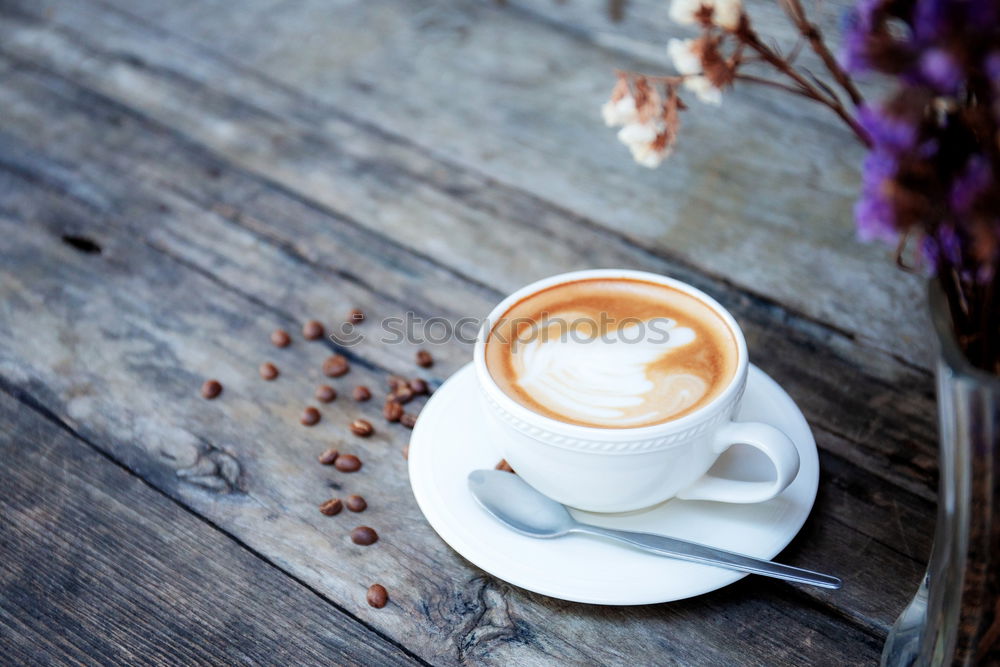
525,414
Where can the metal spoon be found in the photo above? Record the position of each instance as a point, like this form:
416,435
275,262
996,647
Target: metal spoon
512,502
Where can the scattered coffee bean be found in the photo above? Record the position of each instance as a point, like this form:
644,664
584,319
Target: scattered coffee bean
211,389
347,463
503,465
406,451
419,387
424,359
362,428
331,507
325,393
395,381
312,330
364,536
356,316
356,503
409,420
377,596
402,394
268,371
310,416
335,366
392,411
361,393
280,338
329,456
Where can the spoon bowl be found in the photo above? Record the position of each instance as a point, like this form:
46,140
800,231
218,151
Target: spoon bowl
510,500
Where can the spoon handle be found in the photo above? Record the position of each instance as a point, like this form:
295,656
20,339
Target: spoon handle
700,553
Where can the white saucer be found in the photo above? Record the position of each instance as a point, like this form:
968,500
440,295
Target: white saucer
450,440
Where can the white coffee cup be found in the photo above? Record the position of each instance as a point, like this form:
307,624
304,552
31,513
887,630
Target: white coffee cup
622,469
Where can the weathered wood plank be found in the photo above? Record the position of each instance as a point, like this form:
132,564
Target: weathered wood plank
296,286
97,568
760,193
465,222
168,326
646,27
260,479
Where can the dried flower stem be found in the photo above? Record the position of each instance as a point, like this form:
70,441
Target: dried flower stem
812,33
750,38
774,84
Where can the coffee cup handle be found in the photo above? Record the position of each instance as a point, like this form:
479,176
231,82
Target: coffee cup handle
773,443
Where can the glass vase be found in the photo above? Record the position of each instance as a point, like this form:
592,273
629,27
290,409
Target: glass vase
954,619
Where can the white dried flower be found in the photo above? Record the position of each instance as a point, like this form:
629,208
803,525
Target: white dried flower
685,56
703,88
646,142
620,112
725,13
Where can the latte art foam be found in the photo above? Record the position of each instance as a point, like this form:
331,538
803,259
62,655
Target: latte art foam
614,353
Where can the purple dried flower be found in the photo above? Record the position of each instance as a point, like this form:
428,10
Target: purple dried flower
992,68
858,27
930,19
888,131
968,185
940,69
942,247
854,52
874,212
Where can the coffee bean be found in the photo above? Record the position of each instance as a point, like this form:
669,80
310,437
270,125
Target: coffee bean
268,371
312,330
347,463
395,381
325,393
280,338
356,503
402,394
364,536
377,596
329,456
392,411
356,316
335,366
310,416
406,451
211,389
503,465
424,359
362,428
419,387
331,507
409,420
361,393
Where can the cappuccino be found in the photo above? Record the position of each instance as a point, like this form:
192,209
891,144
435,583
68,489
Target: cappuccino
611,353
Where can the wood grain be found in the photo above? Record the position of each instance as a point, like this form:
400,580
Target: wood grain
759,193
97,568
244,462
471,225
282,444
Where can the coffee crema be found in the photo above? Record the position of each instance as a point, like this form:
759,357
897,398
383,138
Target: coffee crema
611,353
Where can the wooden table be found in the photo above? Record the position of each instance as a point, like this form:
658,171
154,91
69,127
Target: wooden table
180,178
